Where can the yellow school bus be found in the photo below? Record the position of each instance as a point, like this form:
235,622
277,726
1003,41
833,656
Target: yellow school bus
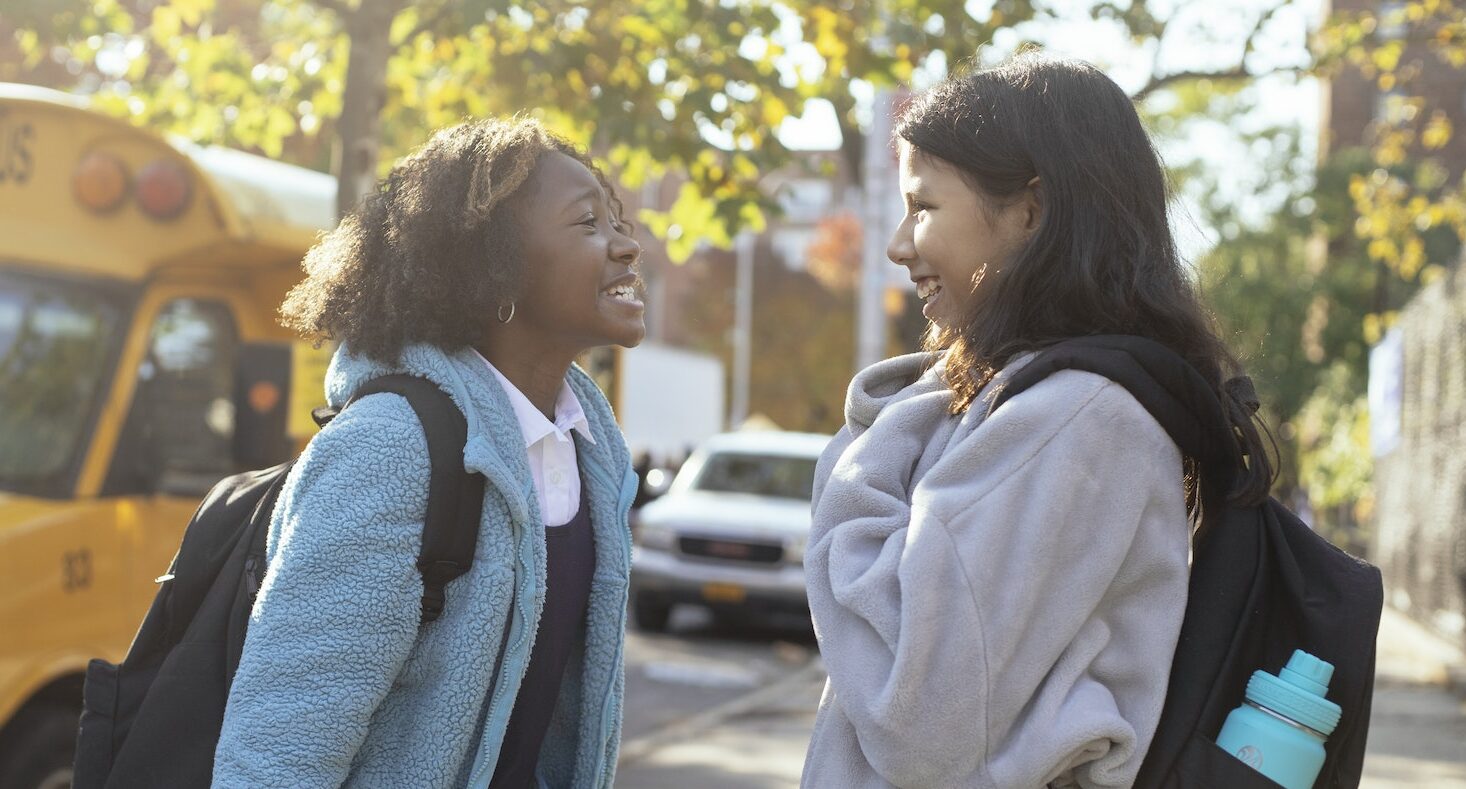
140,362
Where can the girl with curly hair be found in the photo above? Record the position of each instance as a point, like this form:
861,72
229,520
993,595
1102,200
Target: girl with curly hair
998,595
485,263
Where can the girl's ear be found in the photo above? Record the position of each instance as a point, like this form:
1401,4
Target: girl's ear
1032,206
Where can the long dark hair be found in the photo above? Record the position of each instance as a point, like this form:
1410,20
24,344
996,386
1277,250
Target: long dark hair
1102,259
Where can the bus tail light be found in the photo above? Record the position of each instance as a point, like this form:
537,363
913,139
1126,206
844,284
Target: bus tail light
163,189
100,181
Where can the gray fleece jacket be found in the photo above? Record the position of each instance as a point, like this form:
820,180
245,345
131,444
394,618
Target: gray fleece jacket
997,600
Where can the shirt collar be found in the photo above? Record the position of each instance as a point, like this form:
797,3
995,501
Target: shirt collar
569,415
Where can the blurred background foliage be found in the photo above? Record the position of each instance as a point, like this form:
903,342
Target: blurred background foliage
1306,261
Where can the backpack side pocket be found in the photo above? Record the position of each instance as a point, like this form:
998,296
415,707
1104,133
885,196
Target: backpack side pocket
94,738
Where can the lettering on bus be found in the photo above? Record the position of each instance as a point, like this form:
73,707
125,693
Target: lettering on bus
16,160
76,570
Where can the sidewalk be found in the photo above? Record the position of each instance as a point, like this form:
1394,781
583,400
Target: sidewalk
758,744
1417,732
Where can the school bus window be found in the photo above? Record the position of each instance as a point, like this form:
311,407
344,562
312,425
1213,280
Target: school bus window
180,433
56,340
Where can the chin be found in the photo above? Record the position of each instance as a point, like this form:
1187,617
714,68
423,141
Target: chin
624,335
631,339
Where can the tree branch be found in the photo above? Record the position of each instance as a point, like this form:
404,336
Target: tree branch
1238,72
1224,75
1257,29
427,23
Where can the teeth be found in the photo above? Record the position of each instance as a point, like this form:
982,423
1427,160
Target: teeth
622,292
927,288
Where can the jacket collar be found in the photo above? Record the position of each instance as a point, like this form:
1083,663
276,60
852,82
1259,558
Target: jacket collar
534,425
902,377
495,446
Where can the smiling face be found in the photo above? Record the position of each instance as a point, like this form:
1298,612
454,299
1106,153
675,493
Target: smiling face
952,238
581,290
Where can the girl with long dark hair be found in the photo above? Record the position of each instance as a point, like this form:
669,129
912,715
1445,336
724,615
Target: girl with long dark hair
998,596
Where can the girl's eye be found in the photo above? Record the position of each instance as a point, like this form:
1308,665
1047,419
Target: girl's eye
589,220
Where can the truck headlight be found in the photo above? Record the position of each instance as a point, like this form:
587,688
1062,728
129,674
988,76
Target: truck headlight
794,549
655,536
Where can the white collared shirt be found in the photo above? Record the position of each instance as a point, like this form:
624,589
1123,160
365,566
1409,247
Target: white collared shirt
551,449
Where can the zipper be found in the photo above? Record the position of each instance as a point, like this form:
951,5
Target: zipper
623,509
609,765
503,645
251,579
497,688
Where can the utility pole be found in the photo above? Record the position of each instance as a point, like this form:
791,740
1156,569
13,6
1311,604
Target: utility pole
742,327
878,180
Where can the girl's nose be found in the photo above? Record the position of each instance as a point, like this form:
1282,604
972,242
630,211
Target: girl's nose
901,249
625,248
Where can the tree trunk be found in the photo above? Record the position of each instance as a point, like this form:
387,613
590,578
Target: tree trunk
359,130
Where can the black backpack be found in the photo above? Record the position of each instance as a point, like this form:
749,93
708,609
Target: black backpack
1262,583
154,719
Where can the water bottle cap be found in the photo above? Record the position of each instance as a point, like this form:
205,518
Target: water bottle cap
1308,672
1297,694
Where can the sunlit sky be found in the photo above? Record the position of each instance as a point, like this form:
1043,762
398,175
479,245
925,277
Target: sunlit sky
1200,36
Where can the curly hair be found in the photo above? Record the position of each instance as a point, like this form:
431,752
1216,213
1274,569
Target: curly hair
434,249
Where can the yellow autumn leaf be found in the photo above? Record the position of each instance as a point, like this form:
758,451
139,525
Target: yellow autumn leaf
1358,187
192,11
827,39
752,217
775,110
1383,249
640,28
1437,132
1387,57
1373,332
1412,258
166,24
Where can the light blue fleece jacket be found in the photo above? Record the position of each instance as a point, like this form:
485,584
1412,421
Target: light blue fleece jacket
338,685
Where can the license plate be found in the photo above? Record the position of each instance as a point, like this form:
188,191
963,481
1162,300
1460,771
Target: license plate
724,593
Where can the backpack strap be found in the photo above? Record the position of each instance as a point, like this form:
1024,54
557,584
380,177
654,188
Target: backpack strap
1166,385
455,496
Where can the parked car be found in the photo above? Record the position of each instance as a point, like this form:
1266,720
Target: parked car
730,532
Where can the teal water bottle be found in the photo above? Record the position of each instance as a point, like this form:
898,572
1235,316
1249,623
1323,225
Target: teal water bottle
1281,727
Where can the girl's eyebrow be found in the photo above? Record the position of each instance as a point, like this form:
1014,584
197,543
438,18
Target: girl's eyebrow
587,193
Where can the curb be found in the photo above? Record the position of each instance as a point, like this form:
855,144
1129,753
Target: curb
1456,681
682,728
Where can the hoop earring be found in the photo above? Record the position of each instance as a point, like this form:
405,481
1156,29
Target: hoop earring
500,313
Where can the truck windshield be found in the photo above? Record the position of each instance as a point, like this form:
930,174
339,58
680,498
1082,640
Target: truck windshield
56,341
760,475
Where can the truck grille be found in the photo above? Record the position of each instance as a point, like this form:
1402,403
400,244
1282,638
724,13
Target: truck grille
732,550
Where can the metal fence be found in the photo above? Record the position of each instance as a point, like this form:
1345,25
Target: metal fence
1420,534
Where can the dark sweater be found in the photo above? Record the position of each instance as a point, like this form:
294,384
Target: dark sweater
570,561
